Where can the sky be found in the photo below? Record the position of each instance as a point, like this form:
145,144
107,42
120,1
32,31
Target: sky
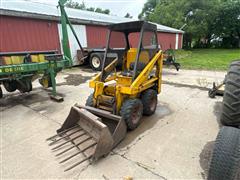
116,7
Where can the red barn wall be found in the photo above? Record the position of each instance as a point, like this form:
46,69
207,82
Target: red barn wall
180,40
167,40
21,34
96,36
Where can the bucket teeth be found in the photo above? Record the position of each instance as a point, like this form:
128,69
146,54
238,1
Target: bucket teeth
76,164
64,137
71,136
87,134
81,151
61,133
66,150
70,140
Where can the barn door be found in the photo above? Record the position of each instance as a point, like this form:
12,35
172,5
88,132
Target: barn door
81,33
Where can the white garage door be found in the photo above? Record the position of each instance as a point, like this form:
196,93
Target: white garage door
81,33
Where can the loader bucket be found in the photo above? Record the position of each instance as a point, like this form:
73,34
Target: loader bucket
90,131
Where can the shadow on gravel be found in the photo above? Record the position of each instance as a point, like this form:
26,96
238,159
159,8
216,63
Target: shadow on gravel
88,69
12,100
146,124
206,154
205,158
217,110
75,80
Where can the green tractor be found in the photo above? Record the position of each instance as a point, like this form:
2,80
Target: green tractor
19,69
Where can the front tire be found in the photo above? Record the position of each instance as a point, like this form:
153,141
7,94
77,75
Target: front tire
96,61
231,99
131,112
149,100
89,101
225,162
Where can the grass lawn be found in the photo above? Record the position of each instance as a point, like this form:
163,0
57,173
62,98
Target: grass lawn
208,59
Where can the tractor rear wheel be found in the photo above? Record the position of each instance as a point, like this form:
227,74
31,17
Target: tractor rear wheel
149,100
10,86
131,112
89,101
231,99
225,162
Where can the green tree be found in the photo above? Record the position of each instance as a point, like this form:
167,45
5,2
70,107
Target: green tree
192,15
148,8
227,23
202,20
103,11
91,9
128,16
76,5
82,6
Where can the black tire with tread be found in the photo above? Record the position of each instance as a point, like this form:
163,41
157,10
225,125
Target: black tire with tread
89,101
231,99
10,86
24,86
98,55
149,97
127,111
225,162
1,93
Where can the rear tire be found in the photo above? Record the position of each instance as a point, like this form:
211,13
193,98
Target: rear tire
131,112
24,86
96,61
231,99
10,86
1,93
149,100
89,101
225,162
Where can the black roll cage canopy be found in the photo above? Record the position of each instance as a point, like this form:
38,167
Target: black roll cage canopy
132,26
127,28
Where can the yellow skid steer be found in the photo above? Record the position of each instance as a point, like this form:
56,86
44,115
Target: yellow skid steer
120,98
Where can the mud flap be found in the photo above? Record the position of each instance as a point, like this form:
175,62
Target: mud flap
90,131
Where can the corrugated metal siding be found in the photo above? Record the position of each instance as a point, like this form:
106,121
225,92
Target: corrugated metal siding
180,39
18,34
167,40
96,36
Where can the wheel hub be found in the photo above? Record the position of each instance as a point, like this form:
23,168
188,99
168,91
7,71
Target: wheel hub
96,62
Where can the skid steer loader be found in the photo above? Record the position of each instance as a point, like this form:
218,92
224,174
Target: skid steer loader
119,99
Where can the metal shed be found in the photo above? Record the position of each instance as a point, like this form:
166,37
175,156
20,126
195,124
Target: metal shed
31,26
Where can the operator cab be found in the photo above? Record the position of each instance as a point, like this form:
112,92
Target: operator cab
133,43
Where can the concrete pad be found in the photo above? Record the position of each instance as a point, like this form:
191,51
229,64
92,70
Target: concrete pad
25,152
172,147
174,143
200,78
116,167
